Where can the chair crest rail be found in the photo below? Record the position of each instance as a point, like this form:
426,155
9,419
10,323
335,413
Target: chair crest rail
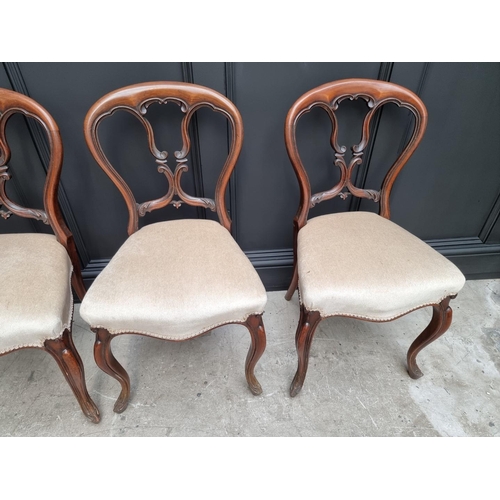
328,97
12,103
136,100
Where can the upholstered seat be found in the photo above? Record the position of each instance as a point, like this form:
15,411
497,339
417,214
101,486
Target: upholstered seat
175,280
172,280
360,264
36,300
363,265
38,271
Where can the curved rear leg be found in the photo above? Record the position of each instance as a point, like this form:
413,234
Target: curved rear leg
295,278
78,286
108,363
308,322
76,275
64,352
258,334
294,283
440,322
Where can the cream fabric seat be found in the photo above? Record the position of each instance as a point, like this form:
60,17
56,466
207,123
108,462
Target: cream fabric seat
363,265
36,302
175,280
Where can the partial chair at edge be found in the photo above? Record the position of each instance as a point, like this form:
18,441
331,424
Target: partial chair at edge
37,270
178,279
359,264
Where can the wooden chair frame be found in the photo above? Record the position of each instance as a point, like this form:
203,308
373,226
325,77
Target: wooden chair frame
62,349
136,99
328,97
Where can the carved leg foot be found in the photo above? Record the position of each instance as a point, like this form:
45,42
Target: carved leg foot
258,334
308,322
440,322
70,363
108,363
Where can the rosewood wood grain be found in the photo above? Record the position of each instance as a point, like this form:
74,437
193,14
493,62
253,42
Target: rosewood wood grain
10,104
440,322
295,277
108,363
64,352
308,322
61,349
136,99
376,93
258,335
328,97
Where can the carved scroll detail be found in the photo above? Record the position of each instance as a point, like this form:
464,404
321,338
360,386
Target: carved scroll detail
136,99
175,188
14,208
376,93
174,178
357,153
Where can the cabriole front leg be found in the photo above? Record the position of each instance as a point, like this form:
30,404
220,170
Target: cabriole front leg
64,352
108,363
308,322
440,322
258,334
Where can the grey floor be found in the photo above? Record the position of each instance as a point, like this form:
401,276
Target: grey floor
356,385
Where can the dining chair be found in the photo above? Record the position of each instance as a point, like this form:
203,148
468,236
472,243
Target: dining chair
360,264
177,279
37,270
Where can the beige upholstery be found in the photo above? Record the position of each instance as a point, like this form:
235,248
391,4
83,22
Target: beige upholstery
36,302
360,264
175,280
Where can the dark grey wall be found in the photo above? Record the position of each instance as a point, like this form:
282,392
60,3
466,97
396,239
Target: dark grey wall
448,194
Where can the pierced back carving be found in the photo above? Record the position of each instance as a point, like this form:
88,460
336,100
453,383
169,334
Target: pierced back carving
328,97
11,103
136,99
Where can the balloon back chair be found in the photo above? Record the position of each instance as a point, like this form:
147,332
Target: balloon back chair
178,279
360,264
37,270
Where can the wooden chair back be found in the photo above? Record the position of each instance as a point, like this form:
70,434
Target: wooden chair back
136,99
328,97
10,104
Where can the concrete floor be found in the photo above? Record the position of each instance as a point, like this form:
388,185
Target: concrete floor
356,385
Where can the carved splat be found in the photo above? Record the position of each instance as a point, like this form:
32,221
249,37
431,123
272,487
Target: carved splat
346,170
328,97
136,100
10,104
62,348
173,178
12,207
